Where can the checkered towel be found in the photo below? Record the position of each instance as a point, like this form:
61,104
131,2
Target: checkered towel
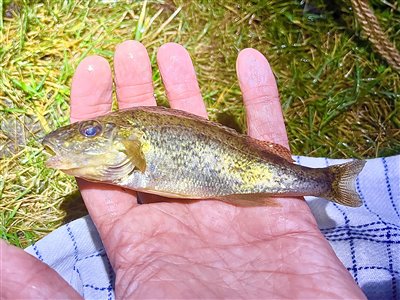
366,239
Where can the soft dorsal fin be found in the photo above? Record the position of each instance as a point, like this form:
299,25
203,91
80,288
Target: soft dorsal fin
133,149
275,148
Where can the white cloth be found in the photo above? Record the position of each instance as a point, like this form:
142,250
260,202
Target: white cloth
366,239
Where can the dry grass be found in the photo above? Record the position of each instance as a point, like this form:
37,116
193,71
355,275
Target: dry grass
340,99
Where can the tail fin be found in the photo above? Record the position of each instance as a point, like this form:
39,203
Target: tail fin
343,189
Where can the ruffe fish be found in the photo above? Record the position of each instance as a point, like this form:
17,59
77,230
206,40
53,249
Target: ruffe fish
180,155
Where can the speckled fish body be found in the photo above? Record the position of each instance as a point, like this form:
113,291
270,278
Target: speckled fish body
177,154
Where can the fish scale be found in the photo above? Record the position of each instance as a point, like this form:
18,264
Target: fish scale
192,163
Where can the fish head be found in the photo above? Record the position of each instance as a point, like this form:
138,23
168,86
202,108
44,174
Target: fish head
92,149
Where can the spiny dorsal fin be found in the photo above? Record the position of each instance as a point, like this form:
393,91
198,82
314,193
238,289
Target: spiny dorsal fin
133,149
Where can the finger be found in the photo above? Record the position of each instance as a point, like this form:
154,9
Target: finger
134,85
133,76
91,91
263,109
261,98
25,277
179,78
91,96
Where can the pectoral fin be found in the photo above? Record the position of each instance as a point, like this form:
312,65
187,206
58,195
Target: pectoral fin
133,149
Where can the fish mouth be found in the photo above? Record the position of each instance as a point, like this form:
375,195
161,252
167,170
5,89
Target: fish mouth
49,150
54,159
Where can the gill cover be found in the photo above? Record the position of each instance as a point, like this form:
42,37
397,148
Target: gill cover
122,157
96,150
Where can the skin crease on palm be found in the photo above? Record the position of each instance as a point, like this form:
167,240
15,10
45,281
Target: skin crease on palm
204,249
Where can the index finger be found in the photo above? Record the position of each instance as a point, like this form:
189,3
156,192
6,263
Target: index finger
261,98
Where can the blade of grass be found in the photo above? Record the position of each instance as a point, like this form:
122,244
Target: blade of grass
139,27
1,14
161,28
23,27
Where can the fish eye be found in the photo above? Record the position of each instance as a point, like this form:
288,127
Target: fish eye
90,129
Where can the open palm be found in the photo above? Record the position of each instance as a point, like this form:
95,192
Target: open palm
203,249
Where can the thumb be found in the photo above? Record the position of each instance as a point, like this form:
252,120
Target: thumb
22,276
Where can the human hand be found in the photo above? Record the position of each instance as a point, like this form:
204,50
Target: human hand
205,249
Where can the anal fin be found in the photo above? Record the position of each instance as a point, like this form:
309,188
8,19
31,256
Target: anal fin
249,200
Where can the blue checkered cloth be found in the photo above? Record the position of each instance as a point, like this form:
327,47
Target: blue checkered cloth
366,239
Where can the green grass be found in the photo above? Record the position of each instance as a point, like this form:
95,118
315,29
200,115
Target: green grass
340,99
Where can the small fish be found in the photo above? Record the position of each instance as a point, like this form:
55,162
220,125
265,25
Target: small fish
180,155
